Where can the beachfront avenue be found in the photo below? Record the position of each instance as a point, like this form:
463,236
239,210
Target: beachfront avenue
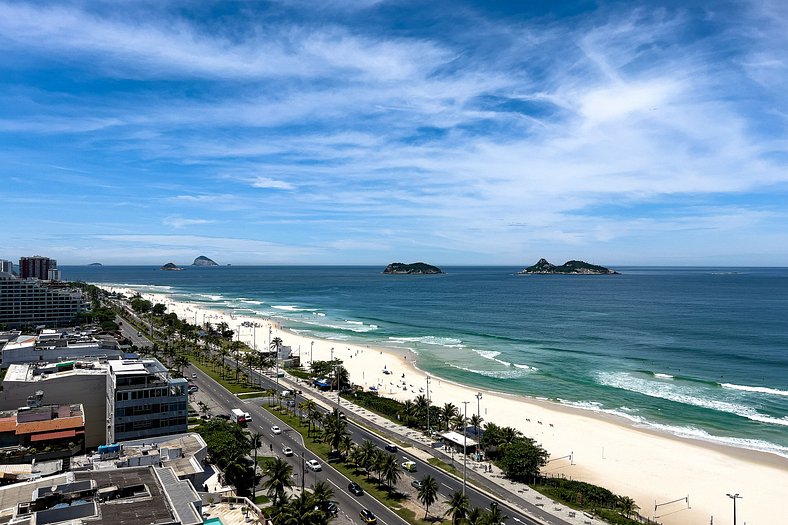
263,420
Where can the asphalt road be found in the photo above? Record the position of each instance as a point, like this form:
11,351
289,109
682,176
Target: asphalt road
262,421
130,333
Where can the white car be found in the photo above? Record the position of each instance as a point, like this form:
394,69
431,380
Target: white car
276,430
287,451
314,465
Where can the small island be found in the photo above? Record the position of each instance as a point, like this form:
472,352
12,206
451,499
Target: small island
418,268
95,264
569,267
202,260
170,266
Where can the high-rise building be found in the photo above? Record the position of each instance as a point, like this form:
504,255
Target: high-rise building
36,267
6,266
53,274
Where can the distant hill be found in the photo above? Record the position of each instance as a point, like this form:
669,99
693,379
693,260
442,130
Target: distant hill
418,268
170,266
202,260
569,267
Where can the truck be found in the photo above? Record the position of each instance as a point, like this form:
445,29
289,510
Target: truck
238,416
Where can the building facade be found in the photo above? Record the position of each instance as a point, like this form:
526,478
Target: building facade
148,402
6,266
36,267
28,302
74,382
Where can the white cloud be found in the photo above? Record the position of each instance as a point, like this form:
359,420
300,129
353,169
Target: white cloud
265,182
180,222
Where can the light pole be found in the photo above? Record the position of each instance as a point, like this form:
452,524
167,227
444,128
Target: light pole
478,400
311,347
734,497
429,433
464,447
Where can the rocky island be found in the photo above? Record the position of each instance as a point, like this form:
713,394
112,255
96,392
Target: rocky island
202,260
418,268
569,267
170,266
95,264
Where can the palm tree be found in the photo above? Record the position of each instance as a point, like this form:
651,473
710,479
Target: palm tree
315,417
334,429
448,411
476,421
495,516
322,493
301,510
255,439
279,474
458,507
367,456
476,516
459,422
390,470
627,505
428,493
345,445
422,408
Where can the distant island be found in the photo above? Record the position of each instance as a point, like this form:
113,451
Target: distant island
202,260
170,266
418,268
95,264
569,267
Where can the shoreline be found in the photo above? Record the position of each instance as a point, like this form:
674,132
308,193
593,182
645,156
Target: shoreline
608,450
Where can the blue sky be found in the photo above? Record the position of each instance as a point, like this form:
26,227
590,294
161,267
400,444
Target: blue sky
367,131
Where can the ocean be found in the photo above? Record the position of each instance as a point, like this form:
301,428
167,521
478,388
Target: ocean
697,352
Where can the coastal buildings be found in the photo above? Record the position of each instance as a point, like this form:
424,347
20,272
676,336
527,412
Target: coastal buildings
150,495
51,346
30,302
147,400
123,398
6,266
43,427
83,381
36,267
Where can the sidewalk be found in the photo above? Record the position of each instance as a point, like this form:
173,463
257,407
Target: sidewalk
517,495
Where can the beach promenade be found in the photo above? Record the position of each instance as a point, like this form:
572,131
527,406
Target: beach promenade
659,470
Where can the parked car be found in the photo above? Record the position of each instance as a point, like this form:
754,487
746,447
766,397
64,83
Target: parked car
287,451
276,430
329,507
367,517
416,483
314,465
355,489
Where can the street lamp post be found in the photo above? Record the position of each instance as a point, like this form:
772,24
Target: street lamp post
478,400
428,407
734,497
311,347
464,447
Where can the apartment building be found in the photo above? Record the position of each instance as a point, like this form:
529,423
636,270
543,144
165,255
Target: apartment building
30,302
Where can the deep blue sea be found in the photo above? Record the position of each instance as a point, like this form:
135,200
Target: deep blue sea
699,352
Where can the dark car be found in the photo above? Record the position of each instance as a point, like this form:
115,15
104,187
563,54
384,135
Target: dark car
355,488
329,507
367,517
391,447
223,416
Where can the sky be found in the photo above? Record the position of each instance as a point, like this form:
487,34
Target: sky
373,131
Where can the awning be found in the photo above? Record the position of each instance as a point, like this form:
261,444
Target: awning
458,439
46,436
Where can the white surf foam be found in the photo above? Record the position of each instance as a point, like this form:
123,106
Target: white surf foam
292,308
757,389
663,376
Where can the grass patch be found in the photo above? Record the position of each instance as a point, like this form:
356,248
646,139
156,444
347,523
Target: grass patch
300,374
320,449
235,387
435,462
251,395
262,500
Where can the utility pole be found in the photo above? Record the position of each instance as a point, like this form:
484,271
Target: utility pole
464,448
311,347
429,433
478,400
734,497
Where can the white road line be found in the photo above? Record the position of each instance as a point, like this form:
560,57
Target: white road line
448,487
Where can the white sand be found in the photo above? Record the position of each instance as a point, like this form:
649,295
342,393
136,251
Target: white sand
647,465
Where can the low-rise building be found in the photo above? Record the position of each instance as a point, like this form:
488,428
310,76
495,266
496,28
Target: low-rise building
53,345
51,429
149,495
82,381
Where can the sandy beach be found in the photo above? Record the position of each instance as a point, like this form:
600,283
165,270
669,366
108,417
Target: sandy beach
651,467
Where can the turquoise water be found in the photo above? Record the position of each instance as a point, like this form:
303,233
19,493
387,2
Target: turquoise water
699,352
213,521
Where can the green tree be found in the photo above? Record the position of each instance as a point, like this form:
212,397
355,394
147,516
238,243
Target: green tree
458,507
158,309
522,459
627,505
255,441
390,470
428,493
278,474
